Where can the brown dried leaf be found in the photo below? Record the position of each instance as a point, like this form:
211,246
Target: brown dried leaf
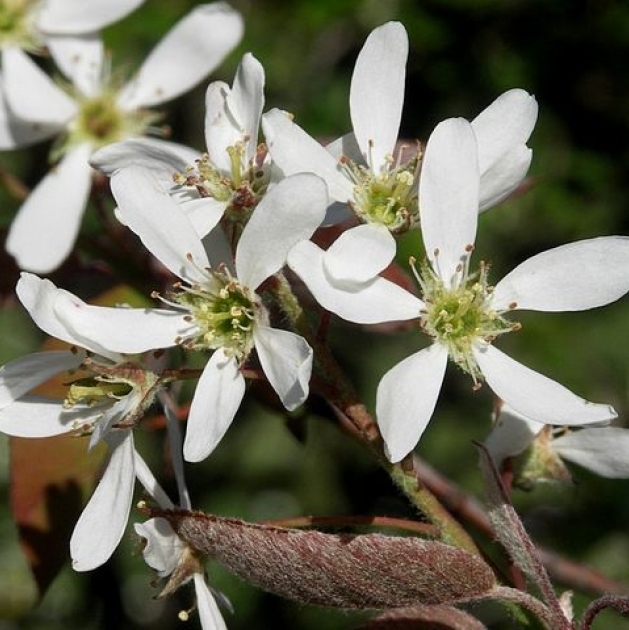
425,618
49,479
370,571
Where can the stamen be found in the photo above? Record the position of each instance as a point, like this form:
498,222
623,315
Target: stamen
460,315
240,187
387,197
221,312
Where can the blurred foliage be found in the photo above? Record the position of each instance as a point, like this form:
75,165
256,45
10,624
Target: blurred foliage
572,54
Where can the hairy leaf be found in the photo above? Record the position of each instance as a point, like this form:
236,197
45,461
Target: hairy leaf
369,571
425,618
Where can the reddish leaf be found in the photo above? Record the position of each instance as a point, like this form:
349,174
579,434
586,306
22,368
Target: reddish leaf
370,571
425,618
50,478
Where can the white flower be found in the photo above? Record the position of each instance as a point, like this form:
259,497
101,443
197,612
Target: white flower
222,311
94,114
232,176
360,168
105,399
461,313
603,450
32,24
170,557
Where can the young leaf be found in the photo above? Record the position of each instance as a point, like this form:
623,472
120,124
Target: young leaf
370,571
424,618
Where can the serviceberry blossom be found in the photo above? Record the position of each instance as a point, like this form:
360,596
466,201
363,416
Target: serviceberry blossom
35,24
222,311
603,450
92,112
363,168
461,313
230,178
164,551
169,556
107,395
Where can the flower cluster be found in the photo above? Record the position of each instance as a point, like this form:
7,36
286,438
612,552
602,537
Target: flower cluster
234,232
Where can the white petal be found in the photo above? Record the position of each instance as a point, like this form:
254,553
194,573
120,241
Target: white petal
21,375
40,297
215,97
289,212
102,523
209,614
194,47
377,92
295,151
406,399
219,249
502,130
125,330
345,146
372,302
247,98
31,94
81,59
44,231
110,413
222,130
150,484
204,214
163,549
159,222
233,115
286,359
216,400
448,195
604,451
161,157
573,277
67,17
504,176
16,133
33,417
359,254
511,434
534,395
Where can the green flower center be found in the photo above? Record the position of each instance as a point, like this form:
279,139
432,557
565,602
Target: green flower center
389,197
223,313
102,385
241,188
94,389
461,315
17,27
100,121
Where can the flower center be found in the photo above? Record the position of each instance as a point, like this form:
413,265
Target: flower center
241,188
100,121
223,313
17,26
91,390
119,392
460,315
389,197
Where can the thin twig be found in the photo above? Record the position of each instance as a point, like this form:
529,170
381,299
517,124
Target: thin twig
564,570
